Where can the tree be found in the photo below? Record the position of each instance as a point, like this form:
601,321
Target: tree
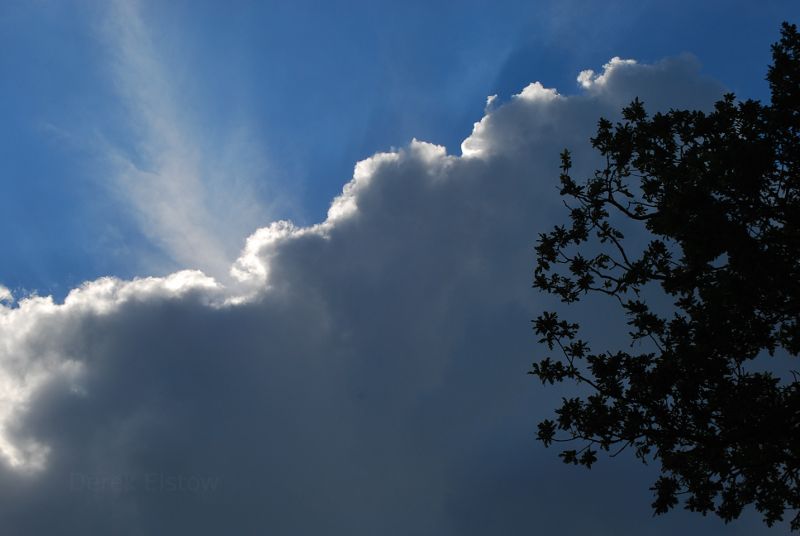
718,196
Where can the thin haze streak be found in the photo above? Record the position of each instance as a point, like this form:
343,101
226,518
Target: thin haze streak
197,207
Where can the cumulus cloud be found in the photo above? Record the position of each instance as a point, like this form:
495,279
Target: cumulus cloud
589,79
6,295
365,375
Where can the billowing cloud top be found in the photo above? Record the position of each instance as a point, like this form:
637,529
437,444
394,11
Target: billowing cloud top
365,375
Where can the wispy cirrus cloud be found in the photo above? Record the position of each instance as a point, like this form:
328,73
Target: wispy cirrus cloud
194,198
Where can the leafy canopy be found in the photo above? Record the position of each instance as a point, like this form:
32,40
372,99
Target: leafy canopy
718,194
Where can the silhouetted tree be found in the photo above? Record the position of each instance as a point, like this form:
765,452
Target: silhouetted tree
718,194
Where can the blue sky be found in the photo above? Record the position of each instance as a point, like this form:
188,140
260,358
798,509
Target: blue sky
308,87
289,248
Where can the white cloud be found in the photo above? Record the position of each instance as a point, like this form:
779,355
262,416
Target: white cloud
361,376
536,91
6,295
588,78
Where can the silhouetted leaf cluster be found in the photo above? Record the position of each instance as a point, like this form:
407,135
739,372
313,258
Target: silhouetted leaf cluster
719,196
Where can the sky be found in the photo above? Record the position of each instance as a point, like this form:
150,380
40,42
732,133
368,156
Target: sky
266,266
